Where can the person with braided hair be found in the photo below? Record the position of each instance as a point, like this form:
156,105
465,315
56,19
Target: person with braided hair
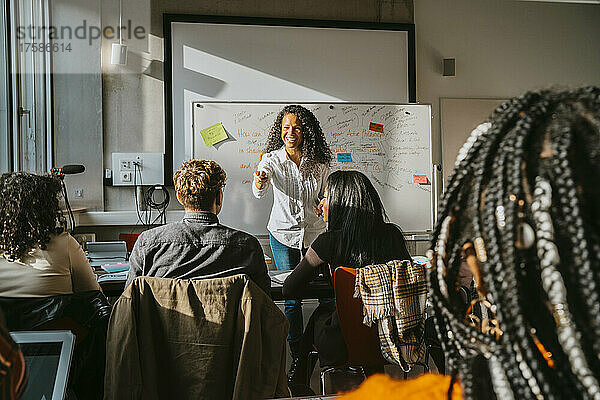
521,209
522,206
38,258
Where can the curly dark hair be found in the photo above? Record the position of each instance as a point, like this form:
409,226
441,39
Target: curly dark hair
314,147
29,212
536,164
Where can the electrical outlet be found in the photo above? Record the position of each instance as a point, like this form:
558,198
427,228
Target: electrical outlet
125,165
125,176
146,168
78,193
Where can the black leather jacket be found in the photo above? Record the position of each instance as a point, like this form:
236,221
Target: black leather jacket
86,308
89,310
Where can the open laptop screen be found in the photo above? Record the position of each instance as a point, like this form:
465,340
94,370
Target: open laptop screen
48,357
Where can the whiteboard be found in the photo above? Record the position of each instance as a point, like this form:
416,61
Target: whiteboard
389,158
239,59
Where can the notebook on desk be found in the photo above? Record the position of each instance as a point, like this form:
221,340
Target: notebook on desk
48,358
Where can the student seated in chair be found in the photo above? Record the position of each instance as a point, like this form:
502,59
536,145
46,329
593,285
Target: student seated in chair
522,204
46,281
358,235
198,246
38,258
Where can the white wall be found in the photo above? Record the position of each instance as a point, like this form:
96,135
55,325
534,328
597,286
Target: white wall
132,96
77,85
503,48
214,62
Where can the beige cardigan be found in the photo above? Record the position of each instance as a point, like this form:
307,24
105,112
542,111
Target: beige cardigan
61,268
220,338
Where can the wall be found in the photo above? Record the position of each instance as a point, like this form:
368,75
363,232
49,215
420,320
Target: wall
503,48
78,102
133,109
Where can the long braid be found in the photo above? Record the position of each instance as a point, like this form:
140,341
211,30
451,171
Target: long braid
495,263
568,200
515,322
501,160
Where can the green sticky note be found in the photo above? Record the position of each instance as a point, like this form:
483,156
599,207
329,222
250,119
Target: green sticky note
213,134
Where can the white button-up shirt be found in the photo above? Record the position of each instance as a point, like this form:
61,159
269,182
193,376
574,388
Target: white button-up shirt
293,221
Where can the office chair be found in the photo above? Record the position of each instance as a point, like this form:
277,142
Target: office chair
362,341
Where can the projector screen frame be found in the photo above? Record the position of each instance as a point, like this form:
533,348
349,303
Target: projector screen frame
169,19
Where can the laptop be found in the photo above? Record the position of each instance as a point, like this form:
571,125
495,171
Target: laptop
48,358
110,256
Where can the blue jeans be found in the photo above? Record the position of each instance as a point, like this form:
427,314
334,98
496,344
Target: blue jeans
287,258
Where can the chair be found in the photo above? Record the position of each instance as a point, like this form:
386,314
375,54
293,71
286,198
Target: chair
129,239
433,348
195,339
362,341
86,314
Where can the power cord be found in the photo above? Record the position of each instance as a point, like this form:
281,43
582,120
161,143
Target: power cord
135,186
149,201
66,196
160,206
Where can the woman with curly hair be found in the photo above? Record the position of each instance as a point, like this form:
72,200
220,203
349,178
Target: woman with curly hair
37,258
296,164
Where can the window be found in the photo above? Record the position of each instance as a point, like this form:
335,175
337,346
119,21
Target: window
25,114
5,153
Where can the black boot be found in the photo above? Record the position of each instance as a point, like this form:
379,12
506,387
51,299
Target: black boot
293,373
297,375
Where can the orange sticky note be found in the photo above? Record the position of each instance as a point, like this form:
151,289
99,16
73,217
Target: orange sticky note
420,179
375,127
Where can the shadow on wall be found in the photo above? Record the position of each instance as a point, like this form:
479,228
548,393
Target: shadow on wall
155,70
280,63
201,84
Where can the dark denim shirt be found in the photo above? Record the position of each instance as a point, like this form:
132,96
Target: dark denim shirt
198,247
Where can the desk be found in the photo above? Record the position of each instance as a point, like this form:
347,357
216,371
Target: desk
316,289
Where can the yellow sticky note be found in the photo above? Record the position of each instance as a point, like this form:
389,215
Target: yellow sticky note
213,134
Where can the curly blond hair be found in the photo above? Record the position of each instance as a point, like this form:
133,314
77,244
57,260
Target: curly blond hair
197,183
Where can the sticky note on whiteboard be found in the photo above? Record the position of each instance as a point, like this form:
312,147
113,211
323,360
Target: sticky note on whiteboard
375,127
213,134
420,179
344,157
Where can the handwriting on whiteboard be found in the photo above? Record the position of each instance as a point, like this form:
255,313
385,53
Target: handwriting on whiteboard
381,141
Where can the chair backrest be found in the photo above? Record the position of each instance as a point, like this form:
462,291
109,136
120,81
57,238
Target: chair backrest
129,239
86,314
195,339
362,341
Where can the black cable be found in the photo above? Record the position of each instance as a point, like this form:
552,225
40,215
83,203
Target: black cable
71,217
161,206
137,206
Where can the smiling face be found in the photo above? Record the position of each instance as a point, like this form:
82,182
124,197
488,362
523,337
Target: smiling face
291,132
